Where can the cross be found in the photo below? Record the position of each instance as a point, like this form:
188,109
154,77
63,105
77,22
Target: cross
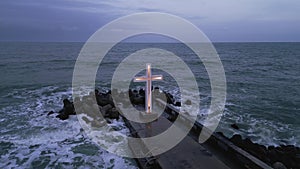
148,79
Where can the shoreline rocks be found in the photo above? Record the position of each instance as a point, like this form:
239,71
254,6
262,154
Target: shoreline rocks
283,156
235,126
68,109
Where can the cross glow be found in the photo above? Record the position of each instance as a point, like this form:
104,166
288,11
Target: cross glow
148,79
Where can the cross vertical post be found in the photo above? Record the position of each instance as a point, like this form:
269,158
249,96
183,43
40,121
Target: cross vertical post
148,92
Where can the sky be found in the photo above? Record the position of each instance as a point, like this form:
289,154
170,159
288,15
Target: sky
220,20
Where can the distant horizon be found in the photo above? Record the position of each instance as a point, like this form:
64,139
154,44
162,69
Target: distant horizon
220,21
1,41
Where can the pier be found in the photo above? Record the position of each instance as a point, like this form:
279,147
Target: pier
216,153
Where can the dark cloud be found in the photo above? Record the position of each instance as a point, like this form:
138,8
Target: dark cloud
47,21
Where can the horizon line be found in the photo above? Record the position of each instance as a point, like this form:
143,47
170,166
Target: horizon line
25,41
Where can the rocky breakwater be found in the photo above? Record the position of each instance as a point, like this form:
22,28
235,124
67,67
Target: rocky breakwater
90,105
96,102
279,157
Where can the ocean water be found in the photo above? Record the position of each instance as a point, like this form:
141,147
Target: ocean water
263,99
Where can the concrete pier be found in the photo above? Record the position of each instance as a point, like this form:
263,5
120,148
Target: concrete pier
187,154
215,153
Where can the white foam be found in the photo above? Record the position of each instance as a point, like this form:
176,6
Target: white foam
33,132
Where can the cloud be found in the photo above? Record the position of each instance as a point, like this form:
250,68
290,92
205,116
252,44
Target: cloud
215,18
207,10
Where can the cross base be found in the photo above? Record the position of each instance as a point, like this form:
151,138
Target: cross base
148,117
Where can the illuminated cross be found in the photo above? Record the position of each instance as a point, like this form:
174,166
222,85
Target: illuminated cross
148,79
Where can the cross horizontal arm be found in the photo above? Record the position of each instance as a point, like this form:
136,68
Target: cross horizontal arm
156,77
140,79
143,78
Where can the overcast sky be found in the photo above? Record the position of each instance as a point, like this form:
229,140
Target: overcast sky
220,20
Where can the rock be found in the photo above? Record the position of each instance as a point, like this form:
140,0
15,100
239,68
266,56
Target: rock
283,156
172,117
138,100
178,104
130,93
278,165
76,99
92,94
78,105
115,92
123,98
109,121
113,114
96,92
86,119
96,123
68,107
104,109
237,139
188,102
168,110
67,110
62,116
50,112
96,113
156,92
221,134
110,100
135,92
103,100
87,99
170,99
142,92
235,126
85,107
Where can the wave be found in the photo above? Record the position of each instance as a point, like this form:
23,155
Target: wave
41,141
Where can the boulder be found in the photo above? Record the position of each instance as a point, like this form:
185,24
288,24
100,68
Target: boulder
92,111
50,112
178,104
283,156
113,114
115,91
77,100
188,102
86,120
142,92
62,116
88,100
96,92
102,100
156,93
235,126
97,124
67,110
237,139
135,92
138,100
104,110
130,93
170,98
68,107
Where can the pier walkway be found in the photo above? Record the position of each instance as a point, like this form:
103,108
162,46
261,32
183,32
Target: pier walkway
216,153
187,154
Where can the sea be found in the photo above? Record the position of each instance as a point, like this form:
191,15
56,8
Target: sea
263,99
